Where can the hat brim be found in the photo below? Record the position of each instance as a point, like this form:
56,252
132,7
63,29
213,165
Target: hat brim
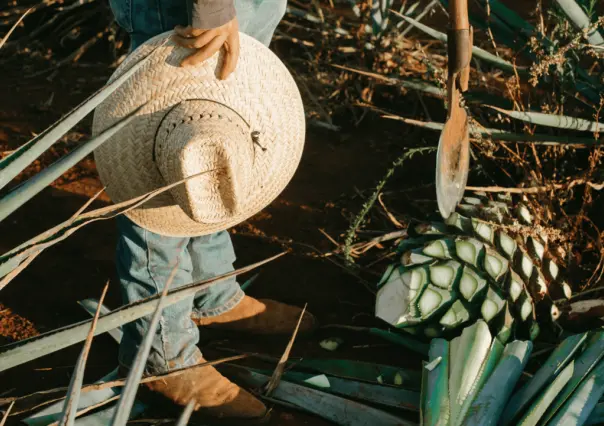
261,90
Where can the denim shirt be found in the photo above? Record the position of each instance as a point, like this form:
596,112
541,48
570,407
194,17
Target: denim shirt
146,18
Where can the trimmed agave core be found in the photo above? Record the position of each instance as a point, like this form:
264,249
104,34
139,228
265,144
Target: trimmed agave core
468,268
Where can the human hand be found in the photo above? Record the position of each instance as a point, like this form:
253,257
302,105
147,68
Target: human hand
207,42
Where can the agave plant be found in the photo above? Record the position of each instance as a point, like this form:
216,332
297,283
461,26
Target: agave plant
477,265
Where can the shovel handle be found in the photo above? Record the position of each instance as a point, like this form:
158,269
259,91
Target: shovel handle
458,15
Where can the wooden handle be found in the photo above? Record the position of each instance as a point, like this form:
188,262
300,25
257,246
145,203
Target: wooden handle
458,15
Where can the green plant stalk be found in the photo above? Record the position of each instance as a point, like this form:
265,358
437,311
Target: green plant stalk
358,220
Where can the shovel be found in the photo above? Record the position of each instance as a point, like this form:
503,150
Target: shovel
453,155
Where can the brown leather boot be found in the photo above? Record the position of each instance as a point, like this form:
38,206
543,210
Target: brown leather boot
215,396
263,316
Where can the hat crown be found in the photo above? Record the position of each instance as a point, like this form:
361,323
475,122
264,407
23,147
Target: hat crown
211,146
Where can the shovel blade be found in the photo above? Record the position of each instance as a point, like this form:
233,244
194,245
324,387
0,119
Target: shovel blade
452,161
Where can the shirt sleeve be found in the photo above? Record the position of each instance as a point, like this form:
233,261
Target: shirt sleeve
208,14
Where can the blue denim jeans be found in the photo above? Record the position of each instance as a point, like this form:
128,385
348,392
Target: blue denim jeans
145,259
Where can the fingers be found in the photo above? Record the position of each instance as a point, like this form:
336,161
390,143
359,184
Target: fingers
196,42
204,53
231,56
187,32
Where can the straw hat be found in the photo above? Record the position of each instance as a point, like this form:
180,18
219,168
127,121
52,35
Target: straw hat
245,135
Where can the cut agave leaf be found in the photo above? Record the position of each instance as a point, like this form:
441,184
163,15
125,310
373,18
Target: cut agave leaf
456,316
535,247
363,371
433,301
460,223
484,231
486,369
471,285
388,396
333,408
523,264
514,286
597,415
537,409
470,250
489,404
468,353
446,274
492,305
506,244
586,362
495,265
423,229
581,404
538,285
439,249
557,361
435,406
415,257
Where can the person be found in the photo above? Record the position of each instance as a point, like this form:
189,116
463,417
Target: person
146,256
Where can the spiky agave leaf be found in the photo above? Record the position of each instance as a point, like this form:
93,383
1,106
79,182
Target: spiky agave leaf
35,347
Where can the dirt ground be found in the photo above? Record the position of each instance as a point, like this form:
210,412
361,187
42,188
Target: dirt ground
322,197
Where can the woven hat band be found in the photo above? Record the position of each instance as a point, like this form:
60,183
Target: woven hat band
200,136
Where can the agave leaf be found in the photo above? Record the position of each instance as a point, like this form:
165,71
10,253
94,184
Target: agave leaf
502,135
577,16
534,414
51,135
435,406
91,305
585,364
52,413
23,193
25,252
15,154
389,396
486,368
556,362
581,404
476,51
499,29
510,17
597,415
362,371
75,384
336,409
551,120
35,347
126,401
470,354
186,414
402,340
486,409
